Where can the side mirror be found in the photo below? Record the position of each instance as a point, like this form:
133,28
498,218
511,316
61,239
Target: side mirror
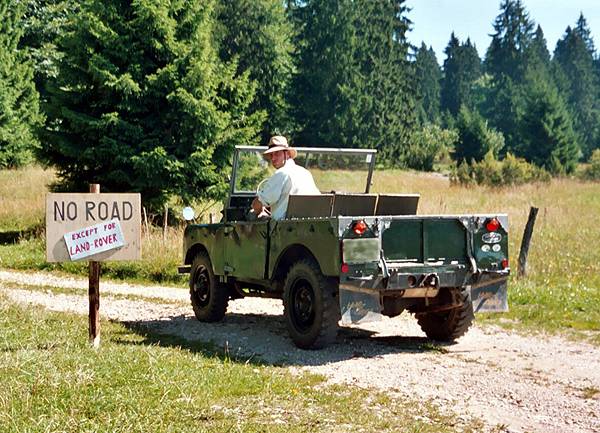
188,213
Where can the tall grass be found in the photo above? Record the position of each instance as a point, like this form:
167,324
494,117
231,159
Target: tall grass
22,197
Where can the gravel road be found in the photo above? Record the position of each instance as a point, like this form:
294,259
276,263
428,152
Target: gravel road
513,383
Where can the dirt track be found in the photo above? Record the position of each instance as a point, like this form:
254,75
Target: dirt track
513,383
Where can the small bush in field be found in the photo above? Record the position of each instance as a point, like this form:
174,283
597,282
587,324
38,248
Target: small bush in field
593,171
429,145
493,172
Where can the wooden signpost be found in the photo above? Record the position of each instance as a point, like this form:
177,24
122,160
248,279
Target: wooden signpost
94,227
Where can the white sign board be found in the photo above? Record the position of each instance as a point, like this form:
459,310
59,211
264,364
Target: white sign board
95,239
69,215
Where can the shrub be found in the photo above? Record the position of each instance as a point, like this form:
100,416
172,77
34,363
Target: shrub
493,172
593,171
429,145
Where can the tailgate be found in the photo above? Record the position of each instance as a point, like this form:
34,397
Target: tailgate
425,239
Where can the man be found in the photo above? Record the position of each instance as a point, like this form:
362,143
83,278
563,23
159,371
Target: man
289,179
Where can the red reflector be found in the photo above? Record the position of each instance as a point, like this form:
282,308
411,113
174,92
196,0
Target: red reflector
345,268
492,225
504,263
359,228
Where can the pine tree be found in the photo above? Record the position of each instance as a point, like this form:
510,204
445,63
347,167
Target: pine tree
428,77
548,137
354,79
577,79
326,68
19,101
142,103
462,68
385,98
506,62
258,35
512,37
475,138
538,59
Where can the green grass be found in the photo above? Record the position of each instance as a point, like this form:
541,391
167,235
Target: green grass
53,381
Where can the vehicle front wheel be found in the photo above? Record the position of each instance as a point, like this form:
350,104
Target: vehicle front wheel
450,324
311,307
209,298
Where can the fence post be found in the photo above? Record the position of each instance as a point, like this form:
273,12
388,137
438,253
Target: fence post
522,271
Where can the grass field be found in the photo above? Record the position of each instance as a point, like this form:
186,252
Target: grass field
560,294
53,381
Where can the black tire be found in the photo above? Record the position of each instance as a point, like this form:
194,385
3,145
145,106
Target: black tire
449,325
209,298
311,306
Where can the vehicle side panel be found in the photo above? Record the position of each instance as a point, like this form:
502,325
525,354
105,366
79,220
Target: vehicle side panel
208,236
319,236
245,245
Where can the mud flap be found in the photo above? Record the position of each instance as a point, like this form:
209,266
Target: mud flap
490,299
359,306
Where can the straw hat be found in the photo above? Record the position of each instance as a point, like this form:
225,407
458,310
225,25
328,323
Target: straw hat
279,142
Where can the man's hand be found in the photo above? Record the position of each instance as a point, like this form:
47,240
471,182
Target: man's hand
257,206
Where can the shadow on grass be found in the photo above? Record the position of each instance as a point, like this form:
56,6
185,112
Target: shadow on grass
263,339
8,237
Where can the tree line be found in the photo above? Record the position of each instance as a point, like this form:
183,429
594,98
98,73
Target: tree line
152,95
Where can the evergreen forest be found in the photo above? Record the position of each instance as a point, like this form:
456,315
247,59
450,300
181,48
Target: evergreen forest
150,96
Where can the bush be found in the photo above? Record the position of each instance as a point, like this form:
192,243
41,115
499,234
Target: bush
429,145
593,171
492,172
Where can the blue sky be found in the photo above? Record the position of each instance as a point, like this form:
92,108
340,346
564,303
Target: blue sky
434,20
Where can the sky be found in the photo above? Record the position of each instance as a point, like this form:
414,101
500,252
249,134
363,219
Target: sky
434,20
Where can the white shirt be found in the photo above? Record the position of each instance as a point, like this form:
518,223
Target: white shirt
288,179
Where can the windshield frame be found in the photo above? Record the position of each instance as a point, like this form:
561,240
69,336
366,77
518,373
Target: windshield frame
310,150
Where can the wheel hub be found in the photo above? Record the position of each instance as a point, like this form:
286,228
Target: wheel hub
303,302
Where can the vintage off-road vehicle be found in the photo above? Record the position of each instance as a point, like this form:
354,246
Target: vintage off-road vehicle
346,256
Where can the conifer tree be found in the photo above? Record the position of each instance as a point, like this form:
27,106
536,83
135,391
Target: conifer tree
475,138
142,103
547,131
385,98
354,79
506,62
327,42
577,79
428,77
512,37
462,68
258,35
19,101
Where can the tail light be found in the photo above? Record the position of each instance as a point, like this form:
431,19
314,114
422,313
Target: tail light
492,225
504,263
359,228
345,268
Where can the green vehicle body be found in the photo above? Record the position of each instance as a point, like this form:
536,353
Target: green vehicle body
440,268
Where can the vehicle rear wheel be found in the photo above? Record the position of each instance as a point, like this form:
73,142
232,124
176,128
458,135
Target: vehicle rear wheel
311,307
450,324
209,298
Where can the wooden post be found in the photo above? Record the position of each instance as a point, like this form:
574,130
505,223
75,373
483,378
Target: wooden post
526,241
146,223
165,223
94,291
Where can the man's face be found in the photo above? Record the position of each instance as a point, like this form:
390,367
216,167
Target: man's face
278,158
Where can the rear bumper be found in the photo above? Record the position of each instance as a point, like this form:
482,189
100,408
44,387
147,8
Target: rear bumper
488,288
